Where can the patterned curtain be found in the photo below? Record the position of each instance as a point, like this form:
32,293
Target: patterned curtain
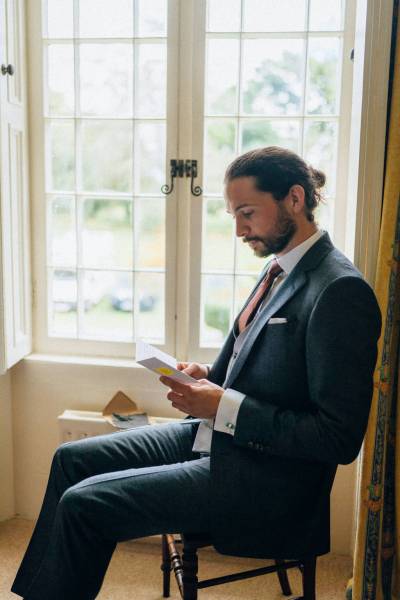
376,562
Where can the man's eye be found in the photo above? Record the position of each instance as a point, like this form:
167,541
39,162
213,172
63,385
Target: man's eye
247,214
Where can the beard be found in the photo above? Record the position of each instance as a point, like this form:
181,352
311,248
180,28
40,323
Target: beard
275,242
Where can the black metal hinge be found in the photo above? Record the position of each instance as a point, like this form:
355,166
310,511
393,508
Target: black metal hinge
183,168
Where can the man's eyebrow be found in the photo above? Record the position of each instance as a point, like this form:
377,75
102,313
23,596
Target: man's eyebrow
242,206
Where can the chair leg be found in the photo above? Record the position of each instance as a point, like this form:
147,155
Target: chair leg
165,566
283,578
190,567
308,576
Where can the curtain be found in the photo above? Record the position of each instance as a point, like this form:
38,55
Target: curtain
376,569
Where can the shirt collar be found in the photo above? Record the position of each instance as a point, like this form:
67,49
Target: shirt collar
289,260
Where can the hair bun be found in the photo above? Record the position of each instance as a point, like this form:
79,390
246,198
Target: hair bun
318,177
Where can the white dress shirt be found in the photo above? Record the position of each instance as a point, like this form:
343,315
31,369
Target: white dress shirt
228,409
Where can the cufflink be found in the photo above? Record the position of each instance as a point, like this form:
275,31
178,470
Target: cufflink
230,425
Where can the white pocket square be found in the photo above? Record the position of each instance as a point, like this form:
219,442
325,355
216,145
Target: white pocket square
277,320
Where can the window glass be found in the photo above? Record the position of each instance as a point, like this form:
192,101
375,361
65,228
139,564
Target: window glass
105,91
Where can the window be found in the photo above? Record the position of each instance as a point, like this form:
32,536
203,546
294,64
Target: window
125,85
105,137
273,76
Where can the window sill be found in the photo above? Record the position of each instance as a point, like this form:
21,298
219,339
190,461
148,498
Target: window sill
95,361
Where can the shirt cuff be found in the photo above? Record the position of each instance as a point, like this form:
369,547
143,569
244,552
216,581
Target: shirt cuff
226,417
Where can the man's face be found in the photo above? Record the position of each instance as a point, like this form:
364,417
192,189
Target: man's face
263,222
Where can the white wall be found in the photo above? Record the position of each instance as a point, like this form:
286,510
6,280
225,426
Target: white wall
43,390
6,450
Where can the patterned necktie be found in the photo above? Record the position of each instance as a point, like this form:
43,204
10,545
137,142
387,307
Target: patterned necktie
252,307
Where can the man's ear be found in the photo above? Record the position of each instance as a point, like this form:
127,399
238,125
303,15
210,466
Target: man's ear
297,198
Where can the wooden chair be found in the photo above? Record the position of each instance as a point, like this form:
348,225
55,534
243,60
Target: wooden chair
185,569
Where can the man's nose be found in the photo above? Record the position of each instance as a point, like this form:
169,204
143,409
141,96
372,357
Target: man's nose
241,228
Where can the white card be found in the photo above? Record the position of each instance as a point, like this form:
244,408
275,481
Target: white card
160,362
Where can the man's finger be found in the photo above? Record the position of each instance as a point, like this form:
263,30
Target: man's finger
174,396
182,365
176,386
179,407
190,369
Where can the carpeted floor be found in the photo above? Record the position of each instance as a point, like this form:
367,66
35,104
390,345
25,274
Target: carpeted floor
134,572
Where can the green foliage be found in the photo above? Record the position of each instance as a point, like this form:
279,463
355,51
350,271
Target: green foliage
257,134
106,156
217,317
274,79
323,74
107,214
222,134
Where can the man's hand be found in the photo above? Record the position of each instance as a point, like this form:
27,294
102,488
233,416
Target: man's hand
199,400
195,370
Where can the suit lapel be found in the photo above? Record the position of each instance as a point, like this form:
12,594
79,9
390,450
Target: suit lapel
288,289
294,282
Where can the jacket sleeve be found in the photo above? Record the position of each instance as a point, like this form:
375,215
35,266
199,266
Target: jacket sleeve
341,350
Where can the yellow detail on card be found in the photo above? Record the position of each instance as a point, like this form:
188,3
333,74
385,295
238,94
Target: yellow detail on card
164,371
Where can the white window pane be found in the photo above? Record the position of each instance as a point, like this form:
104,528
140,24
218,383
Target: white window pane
151,80
121,298
274,15
59,18
62,155
243,286
62,231
151,18
218,240
273,76
219,151
324,214
320,144
106,314
326,16
106,72
323,90
107,239
102,18
222,76
106,156
63,299
150,157
246,260
150,233
257,133
223,15
149,306
217,297
61,92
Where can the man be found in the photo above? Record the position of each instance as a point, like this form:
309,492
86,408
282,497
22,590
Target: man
286,400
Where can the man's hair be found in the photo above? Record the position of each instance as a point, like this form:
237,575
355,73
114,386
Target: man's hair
275,170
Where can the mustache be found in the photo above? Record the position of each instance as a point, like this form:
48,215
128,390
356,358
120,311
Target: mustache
246,240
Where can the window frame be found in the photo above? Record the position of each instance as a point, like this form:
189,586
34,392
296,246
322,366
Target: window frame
184,211
43,342
340,233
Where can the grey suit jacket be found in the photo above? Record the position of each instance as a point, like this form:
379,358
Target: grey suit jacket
308,388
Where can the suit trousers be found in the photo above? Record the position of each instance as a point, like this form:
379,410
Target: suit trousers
105,490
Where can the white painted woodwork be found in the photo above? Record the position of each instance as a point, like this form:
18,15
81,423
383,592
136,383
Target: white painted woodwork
15,302
368,133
